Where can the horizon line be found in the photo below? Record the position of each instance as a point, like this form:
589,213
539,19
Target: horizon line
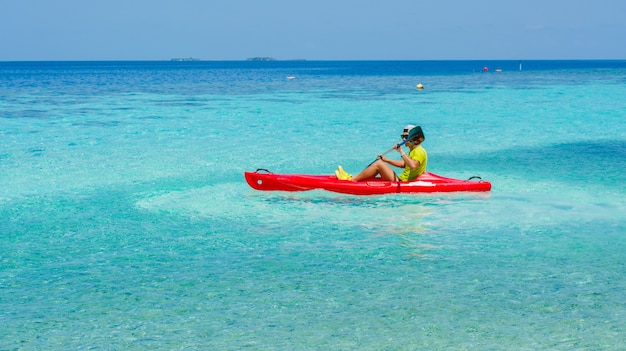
191,60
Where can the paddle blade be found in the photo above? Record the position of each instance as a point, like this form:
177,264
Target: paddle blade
416,134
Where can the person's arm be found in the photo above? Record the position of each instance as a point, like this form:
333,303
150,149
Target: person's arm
409,162
396,163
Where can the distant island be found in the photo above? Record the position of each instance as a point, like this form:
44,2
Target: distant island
185,59
270,59
189,59
261,59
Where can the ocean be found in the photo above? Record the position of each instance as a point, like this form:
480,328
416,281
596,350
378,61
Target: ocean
126,222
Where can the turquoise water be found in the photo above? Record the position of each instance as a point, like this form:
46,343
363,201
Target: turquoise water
125,221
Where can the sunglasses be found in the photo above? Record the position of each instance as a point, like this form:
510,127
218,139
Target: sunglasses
404,136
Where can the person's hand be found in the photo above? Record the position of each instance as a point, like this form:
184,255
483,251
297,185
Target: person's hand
399,148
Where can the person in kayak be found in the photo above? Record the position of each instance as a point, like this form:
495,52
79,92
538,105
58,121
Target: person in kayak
414,163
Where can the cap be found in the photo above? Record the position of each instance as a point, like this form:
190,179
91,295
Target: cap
408,128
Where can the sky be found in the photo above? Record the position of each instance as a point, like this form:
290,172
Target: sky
41,30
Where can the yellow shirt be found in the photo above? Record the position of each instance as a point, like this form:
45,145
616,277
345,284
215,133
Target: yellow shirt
418,154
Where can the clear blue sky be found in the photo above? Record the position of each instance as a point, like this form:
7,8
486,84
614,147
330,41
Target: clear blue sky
312,30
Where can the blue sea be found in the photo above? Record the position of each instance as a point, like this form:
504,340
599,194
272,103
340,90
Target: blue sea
126,222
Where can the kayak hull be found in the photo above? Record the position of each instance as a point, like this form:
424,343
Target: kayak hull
425,183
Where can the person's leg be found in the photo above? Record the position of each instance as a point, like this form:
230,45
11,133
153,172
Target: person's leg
376,168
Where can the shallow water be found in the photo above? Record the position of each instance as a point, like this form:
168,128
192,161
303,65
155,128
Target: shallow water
125,221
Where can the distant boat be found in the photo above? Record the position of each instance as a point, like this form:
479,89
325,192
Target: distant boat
291,77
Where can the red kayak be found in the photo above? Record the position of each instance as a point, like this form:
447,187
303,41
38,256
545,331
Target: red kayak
428,182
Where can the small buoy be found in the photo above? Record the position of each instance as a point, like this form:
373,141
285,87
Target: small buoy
485,68
419,86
